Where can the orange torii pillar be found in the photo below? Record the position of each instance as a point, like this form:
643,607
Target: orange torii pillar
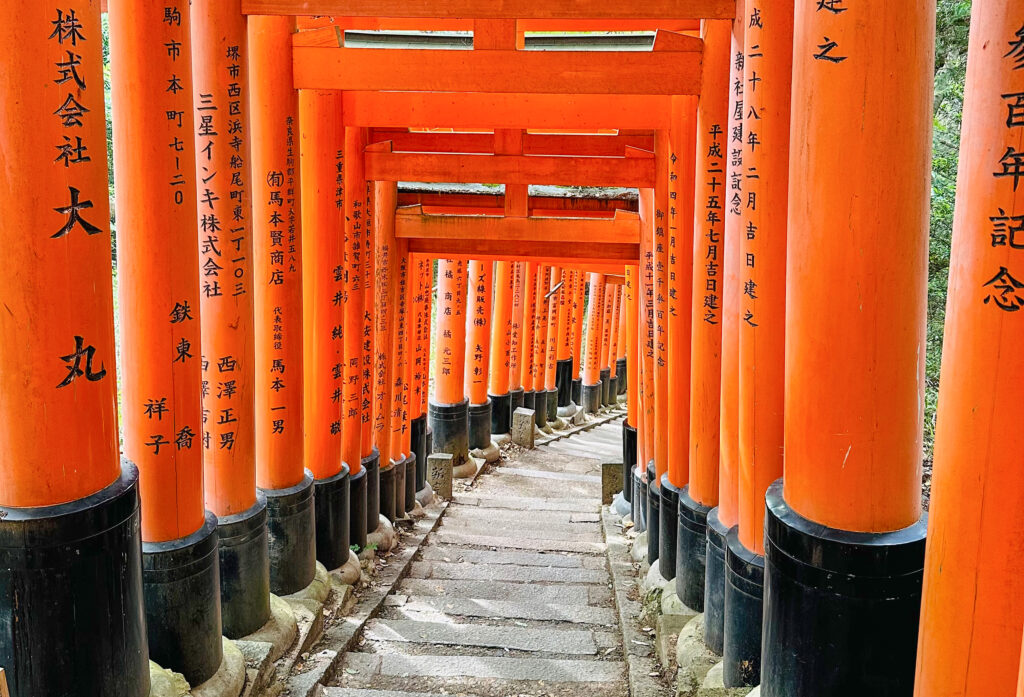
401,441
613,345
722,518
540,344
629,430
449,409
324,304
592,362
973,570
844,533
220,73
501,338
645,388
554,340
418,326
563,369
762,308
608,318
358,208
70,549
578,329
678,557
478,350
620,372
158,268
515,342
529,322
700,495
655,215
277,306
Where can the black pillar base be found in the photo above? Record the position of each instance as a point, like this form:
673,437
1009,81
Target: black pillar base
72,621
399,468
530,401
244,570
691,550
181,586
517,399
540,406
418,441
714,583
410,482
333,519
606,385
639,502
371,463
356,515
501,413
628,459
430,439
563,381
291,533
552,405
592,398
450,424
667,529
387,491
480,425
867,585
653,515
620,375
613,390
744,603
577,391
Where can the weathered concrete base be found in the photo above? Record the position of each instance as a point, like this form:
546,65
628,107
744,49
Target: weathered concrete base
166,683
384,538
468,468
559,424
417,511
654,581
620,507
279,631
568,411
316,591
501,439
693,658
346,574
639,550
489,454
714,685
229,679
425,496
669,624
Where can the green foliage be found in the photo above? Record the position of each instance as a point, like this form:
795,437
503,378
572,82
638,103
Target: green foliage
952,25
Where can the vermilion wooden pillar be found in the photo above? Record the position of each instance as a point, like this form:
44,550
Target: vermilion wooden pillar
501,349
592,361
645,422
277,305
679,246
449,415
554,341
478,350
221,76
619,368
606,341
321,157
158,281
563,377
701,493
629,425
722,518
529,322
402,349
578,304
385,319
613,339
515,351
418,326
973,579
540,343
71,579
844,534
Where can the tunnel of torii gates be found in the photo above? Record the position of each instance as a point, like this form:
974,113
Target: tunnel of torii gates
760,303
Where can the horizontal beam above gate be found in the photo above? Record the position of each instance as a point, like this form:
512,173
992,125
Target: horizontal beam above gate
434,24
403,140
478,111
506,9
511,169
672,68
566,206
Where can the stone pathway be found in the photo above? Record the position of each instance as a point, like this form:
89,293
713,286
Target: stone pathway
510,595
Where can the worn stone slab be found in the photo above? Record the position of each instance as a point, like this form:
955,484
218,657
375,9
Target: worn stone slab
539,639
560,560
420,606
487,499
714,685
505,572
496,667
565,531
440,474
487,590
693,658
453,537
360,692
542,474
523,517
611,480
317,669
522,427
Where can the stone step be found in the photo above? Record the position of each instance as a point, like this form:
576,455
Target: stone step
544,474
520,516
560,560
485,498
496,590
548,670
415,607
505,572
533,487
455,536
574,532
539,639
360,692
